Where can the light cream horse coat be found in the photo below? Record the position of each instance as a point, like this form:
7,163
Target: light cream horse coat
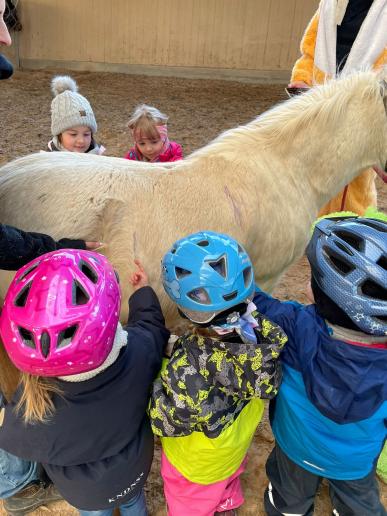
262,183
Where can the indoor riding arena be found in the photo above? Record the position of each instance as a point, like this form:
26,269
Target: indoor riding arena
210,65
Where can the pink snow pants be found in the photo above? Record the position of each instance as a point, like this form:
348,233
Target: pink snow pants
191,499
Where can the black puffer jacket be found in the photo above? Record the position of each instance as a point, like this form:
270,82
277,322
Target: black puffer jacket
98,446
18,247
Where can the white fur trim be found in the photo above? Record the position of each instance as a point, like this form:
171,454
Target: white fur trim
120,340
371,39
325,50
368,45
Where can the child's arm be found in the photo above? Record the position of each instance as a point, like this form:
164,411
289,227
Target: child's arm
172,411
18,247
303,68
146,325
283,313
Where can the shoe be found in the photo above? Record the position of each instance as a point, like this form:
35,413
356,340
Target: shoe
30,498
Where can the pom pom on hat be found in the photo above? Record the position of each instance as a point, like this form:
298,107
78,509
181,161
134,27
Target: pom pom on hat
62,83
68,107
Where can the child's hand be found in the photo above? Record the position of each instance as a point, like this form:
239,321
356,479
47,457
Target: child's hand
94,246
138,278
299,84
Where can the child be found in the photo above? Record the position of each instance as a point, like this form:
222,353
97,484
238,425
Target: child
209,399
73,124
80,408
344,35
148,127
329,418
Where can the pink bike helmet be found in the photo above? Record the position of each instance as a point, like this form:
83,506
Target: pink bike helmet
61,313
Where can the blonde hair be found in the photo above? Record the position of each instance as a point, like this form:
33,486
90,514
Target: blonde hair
145,119
203,331
36,402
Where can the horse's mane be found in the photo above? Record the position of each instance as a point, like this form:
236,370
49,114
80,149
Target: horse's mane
324,104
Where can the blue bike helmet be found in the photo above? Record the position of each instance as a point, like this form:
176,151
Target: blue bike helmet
207,273
348,259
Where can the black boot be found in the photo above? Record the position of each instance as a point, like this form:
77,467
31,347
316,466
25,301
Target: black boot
31,497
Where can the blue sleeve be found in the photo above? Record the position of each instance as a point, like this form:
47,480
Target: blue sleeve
283,313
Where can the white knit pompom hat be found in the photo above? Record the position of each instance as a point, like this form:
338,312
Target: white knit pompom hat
69,108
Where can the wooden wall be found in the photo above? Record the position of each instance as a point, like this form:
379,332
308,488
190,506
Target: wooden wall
246,38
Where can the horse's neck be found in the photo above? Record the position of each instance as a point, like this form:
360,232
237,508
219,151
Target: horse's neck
322,161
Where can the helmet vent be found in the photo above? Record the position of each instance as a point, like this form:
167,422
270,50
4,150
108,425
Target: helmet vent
65,337
45,344
344,248
199,295
382,262
88,271
229,297
21,298
203,243
378,225
338,262
371,289
240,249
182,273
219,266
26,272
352,240
80,296
173,250
247,274
27,337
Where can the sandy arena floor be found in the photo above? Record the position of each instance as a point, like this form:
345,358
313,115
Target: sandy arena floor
198,110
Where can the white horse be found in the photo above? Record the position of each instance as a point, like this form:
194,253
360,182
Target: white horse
262,183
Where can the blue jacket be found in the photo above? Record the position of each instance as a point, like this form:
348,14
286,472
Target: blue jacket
330,414
98,446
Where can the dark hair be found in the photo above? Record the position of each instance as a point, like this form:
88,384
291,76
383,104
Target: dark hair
329,310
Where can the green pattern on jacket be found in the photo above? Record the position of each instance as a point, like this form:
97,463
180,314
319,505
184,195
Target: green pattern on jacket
207,382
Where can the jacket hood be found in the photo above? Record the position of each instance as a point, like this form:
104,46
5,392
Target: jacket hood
345,381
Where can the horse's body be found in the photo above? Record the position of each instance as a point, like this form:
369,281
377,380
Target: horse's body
262,183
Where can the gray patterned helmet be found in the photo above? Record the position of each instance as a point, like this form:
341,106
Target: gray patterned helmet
348,259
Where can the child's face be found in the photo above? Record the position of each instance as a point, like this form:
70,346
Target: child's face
76,139
150,147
